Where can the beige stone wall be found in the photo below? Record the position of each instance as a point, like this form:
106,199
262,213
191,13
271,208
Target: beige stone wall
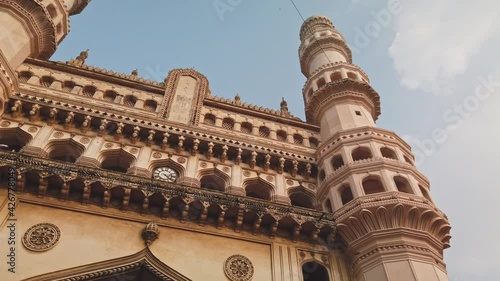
88,238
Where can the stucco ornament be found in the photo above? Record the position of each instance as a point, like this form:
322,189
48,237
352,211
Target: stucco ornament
238,268
150,233
41,237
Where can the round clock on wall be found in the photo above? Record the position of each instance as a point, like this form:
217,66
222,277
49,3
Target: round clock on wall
165,174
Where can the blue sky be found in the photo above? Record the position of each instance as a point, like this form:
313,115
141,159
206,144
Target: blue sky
425,60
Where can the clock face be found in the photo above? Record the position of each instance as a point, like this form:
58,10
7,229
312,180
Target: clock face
165,174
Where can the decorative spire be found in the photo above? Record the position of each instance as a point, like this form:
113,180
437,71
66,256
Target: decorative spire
80,59
284,107
237,99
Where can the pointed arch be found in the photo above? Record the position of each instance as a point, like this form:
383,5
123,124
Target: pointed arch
302,197
116,160
67,150
258,188
178,168
214,179
128,266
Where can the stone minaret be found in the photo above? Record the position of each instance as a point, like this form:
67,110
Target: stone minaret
30,28
385,217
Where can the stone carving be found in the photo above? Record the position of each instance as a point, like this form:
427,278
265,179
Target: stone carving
226,169
41,237
84,140
182,160
157,155
32,129
238,268
246,173
289,182
108,145
203,164
58,135
134,150
270,178
5,124
150,233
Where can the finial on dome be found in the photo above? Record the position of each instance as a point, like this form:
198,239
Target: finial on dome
237,99
80,59
284,107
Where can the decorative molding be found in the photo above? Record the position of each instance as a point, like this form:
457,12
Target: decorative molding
41,237
238,268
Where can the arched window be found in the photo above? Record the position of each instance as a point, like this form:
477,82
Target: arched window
209,119
346,194
327,206
388,153
322,175
313,142
24,76
337,162
150,105
298,139
228,123
300,198
68,86
118,161
407,160
403,185
130,100
281,135
213,182
46,81
52,11
110,95
246,128
258,190
372,185
65,151
336,76
89,91
425,192
313,271
264,132
321,82
352,75
361,153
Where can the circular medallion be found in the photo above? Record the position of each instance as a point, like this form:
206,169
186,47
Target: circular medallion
312,186
238,268
32,129
246,173
226,169
58,135
165,174
203,164
157,155
5,124
84,140
181,160
134,150
289,182
41,237
270,178
108,145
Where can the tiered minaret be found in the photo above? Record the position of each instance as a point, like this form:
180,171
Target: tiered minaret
30,28
385,217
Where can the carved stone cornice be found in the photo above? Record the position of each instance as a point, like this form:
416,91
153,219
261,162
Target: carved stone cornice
339,91
149,185
37,19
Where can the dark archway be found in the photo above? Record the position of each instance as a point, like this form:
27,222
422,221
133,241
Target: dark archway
313,271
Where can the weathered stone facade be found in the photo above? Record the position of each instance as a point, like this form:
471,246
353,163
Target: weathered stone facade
114,176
